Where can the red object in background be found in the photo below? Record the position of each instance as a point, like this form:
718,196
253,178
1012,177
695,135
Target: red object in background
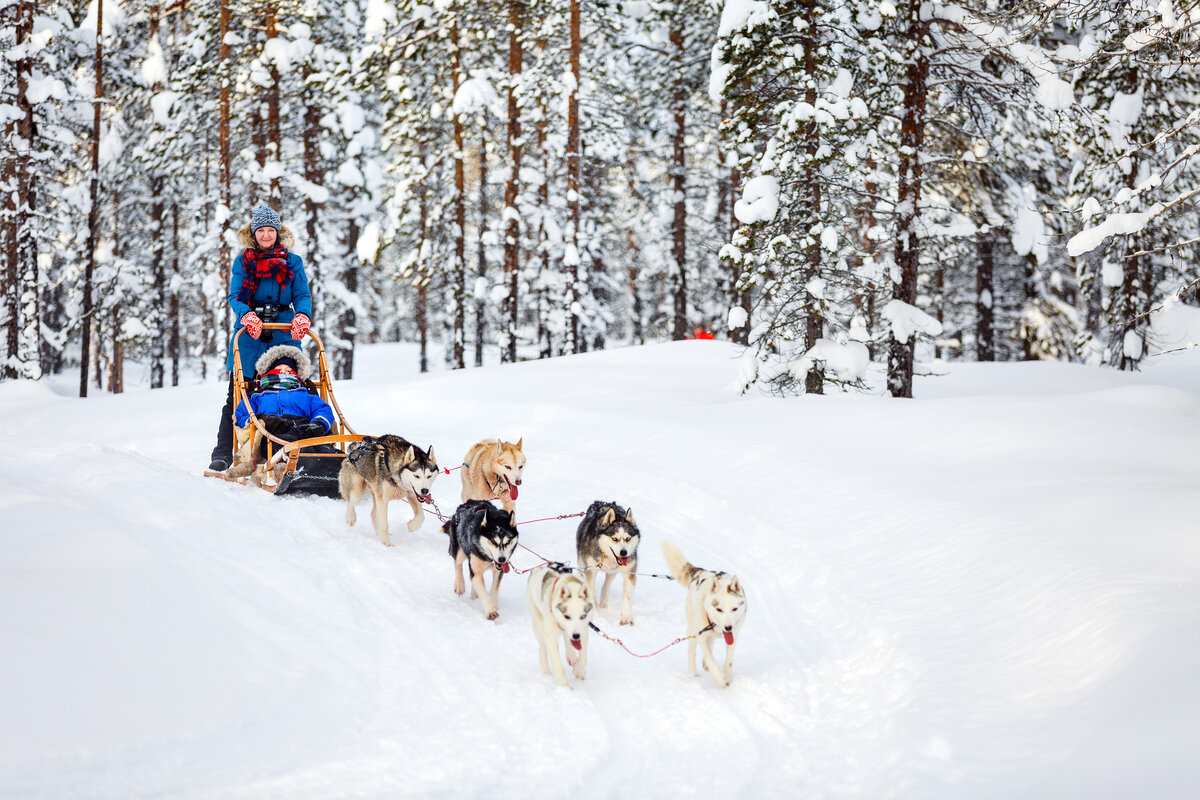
700,333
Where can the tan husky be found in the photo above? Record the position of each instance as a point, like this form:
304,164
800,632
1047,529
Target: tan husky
716,606
390,468
493,468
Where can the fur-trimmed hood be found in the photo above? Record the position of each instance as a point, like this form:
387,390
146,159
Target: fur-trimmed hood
246,238
268,359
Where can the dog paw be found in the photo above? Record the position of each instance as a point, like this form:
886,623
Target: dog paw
351,519
414,524
460,591
722,679
493,614
626,620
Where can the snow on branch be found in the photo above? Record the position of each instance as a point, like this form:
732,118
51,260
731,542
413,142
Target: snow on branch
1089,239
908,320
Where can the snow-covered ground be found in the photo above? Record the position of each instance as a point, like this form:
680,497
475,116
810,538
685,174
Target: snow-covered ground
992,591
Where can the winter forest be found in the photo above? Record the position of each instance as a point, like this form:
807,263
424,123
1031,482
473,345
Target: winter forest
830,183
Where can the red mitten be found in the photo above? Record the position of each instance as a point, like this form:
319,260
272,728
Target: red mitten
300,325
252,324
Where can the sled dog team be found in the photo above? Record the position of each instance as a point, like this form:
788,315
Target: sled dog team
484,536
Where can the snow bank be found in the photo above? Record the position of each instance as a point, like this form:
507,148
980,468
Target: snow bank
933,612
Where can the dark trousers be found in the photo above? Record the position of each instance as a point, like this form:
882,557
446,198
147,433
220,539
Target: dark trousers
224,446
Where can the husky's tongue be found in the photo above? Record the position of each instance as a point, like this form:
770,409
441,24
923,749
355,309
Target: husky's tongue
577,644
728,637
505,567
512,490
624,562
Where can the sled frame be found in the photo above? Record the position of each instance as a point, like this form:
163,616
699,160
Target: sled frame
279,449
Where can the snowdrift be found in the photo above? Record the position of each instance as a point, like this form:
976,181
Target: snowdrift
992,591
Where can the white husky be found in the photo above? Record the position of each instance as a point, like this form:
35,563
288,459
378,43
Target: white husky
560,605
715,605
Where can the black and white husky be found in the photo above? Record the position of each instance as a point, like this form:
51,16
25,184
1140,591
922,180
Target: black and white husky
390,468
560,605
607,541
716,606
484,536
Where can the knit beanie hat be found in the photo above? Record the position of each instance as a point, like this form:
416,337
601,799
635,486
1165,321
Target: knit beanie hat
265,217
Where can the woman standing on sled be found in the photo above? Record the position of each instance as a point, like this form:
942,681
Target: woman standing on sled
267,284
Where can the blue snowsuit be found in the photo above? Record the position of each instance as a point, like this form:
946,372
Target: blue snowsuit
295,295
293,402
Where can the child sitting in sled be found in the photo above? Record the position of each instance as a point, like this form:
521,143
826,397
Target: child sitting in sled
286,409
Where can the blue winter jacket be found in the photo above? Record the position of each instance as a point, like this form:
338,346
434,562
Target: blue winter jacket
295,295
293,402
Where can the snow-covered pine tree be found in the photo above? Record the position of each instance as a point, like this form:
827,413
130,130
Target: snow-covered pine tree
799,127
1137,79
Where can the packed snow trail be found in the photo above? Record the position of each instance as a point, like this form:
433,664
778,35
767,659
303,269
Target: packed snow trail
948,598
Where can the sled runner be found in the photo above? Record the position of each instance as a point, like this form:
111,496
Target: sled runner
304,466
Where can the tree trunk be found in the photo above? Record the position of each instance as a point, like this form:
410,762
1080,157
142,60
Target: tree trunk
173,312
116,360
638,335
225,177
20,201
574,163
347,328
481,277
512,221
864,216
739,295
422,276
810,200
94,208
541,302
157,255
907,245
274,133
985,345
458,272
311,145
679,327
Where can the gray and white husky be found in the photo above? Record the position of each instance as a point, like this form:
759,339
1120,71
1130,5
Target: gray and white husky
716,606
560,604
607,541
484,536
391,468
